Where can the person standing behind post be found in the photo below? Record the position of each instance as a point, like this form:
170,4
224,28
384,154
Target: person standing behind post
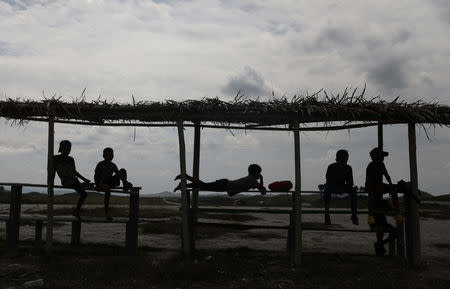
339,178
108,176
64,165
375,186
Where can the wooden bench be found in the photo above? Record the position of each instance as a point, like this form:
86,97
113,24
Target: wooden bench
14,219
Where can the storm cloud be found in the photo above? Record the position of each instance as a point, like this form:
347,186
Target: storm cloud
391,73
250,83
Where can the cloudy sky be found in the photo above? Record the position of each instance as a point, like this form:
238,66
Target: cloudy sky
193,49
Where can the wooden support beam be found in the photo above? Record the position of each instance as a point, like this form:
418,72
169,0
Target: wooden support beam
413,253
76,233
380,136
185,234
50,183
196,175
132,228
38,233
297,200
13,224
400,239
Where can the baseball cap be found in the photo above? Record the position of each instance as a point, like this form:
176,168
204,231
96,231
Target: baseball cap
376,151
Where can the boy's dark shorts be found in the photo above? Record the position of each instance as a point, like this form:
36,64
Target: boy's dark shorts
112,181
73,184
219,185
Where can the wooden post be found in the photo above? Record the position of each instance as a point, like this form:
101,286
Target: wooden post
413,254
50,183
290,238
38,233
13,227
297,199
185,235
76,233
380,136
196,175
400,239
132,228
392,247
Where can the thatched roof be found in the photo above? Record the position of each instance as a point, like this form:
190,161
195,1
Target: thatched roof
308,109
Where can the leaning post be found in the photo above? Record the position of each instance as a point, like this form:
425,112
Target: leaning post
185,235
13,223
196,175
50,183
297,199
380,136
413,253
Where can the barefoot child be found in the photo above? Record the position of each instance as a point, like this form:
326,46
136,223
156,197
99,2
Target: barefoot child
107,176
64,165
254,180
339,178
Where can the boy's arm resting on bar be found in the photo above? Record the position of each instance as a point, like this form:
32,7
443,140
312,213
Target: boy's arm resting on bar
261,187
81,177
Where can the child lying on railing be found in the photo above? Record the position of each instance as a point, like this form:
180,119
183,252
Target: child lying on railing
254,180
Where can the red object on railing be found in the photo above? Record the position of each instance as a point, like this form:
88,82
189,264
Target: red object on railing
281,186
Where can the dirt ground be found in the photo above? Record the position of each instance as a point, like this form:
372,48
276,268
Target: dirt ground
225,258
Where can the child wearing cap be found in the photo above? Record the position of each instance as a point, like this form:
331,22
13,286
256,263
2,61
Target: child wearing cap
64,165
375,186
254,180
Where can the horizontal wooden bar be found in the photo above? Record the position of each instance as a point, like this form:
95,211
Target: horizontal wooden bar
269,128
67,219
305,228
118,190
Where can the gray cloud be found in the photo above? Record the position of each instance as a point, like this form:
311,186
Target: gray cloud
443,9
401,37
250,82
391,73
330,38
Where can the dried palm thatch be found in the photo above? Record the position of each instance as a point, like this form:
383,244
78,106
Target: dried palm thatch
319,107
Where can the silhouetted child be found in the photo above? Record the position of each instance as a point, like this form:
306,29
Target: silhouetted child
64,165
254,180
381,226
108,176
339,178
375,186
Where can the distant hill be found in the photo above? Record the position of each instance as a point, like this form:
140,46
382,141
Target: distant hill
165,194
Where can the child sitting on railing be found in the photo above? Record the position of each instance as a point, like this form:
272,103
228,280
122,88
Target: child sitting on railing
64,165
108,176
254,180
